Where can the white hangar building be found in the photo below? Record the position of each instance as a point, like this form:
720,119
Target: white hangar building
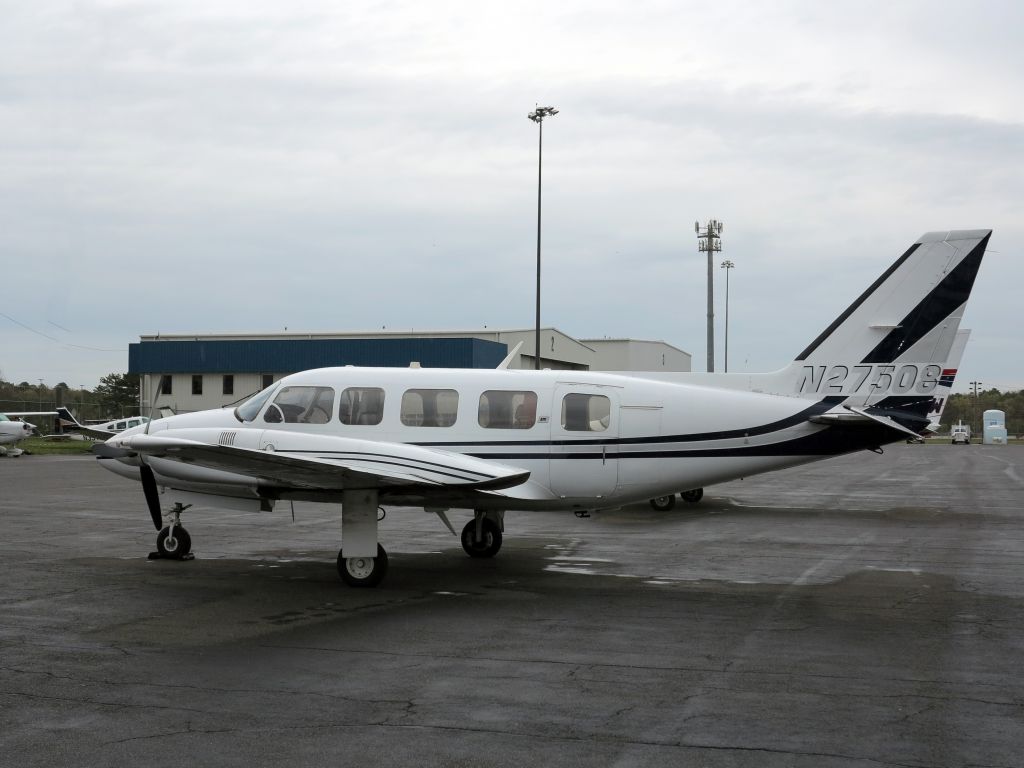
202,371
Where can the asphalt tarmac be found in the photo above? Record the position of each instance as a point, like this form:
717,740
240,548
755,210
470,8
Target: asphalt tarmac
862,611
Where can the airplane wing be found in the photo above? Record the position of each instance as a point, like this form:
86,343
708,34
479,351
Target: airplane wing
332,464
21,414
95,434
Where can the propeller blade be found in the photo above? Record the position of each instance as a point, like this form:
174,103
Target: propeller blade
152,495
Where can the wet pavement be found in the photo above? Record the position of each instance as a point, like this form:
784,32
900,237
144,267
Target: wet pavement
863,611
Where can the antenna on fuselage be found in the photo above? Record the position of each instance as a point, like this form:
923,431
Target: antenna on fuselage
152,407
504,364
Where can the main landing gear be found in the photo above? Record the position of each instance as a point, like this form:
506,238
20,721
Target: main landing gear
363,571
482,536
665,503
362,561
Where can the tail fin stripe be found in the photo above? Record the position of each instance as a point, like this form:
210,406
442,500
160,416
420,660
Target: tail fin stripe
951,292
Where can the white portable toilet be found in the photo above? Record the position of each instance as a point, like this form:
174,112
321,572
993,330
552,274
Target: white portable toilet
994,427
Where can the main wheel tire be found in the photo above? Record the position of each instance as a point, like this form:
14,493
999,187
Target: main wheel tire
173,548
363,571
663,503
490,538
693,496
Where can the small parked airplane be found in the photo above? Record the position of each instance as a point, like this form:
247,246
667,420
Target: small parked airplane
102,431
493,441
13,431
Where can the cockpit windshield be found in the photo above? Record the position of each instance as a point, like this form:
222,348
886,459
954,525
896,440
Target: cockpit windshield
248,410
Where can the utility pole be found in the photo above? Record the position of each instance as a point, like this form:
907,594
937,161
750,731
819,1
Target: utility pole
538,116
710,242
975,386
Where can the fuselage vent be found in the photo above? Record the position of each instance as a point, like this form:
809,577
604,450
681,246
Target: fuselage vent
227,438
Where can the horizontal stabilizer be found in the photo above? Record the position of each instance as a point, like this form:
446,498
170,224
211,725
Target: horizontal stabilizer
861,416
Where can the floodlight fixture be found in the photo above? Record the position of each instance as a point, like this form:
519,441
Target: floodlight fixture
540,113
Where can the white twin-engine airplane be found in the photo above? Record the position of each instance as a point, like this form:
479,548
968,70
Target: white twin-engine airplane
494,441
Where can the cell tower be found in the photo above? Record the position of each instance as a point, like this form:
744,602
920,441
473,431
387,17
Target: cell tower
710,241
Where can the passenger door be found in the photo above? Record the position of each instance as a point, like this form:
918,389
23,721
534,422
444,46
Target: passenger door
584,425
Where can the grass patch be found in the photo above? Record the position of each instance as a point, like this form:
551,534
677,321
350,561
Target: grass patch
40,446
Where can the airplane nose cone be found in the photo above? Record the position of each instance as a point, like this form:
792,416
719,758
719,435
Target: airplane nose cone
28,427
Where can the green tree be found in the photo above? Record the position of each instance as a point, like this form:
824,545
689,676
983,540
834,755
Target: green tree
118,392
969,408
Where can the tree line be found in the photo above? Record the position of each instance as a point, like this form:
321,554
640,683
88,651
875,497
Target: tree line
969,409
116,396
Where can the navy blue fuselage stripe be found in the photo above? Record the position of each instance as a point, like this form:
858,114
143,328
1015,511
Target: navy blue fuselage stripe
951,292
797,418
831,441
860,300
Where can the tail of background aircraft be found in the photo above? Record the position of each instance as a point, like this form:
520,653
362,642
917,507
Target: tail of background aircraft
945,387
65,420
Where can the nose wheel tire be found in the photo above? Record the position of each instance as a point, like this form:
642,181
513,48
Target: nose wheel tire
663,503
174,547
489,542
693,496
363,571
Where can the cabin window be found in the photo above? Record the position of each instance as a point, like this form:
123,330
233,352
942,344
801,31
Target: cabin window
228,385
502,409
586,413
361,405
301,405
197,385
120,426
430,407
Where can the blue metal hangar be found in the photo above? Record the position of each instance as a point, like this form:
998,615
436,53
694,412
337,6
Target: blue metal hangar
198,371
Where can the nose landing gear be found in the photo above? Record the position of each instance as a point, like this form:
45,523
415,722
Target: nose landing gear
173,541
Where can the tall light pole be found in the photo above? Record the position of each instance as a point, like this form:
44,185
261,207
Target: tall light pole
710,241
538,116
727,265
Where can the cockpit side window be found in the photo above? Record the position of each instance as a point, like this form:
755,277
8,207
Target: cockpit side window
248,410
301,405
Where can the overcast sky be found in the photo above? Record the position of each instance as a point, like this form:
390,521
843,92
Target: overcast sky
205,167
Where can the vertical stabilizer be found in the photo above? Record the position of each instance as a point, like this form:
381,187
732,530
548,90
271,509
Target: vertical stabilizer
895,339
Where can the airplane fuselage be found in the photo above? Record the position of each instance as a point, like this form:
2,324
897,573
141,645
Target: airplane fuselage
500,440
589,440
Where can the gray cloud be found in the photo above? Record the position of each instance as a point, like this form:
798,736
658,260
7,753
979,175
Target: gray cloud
252,167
